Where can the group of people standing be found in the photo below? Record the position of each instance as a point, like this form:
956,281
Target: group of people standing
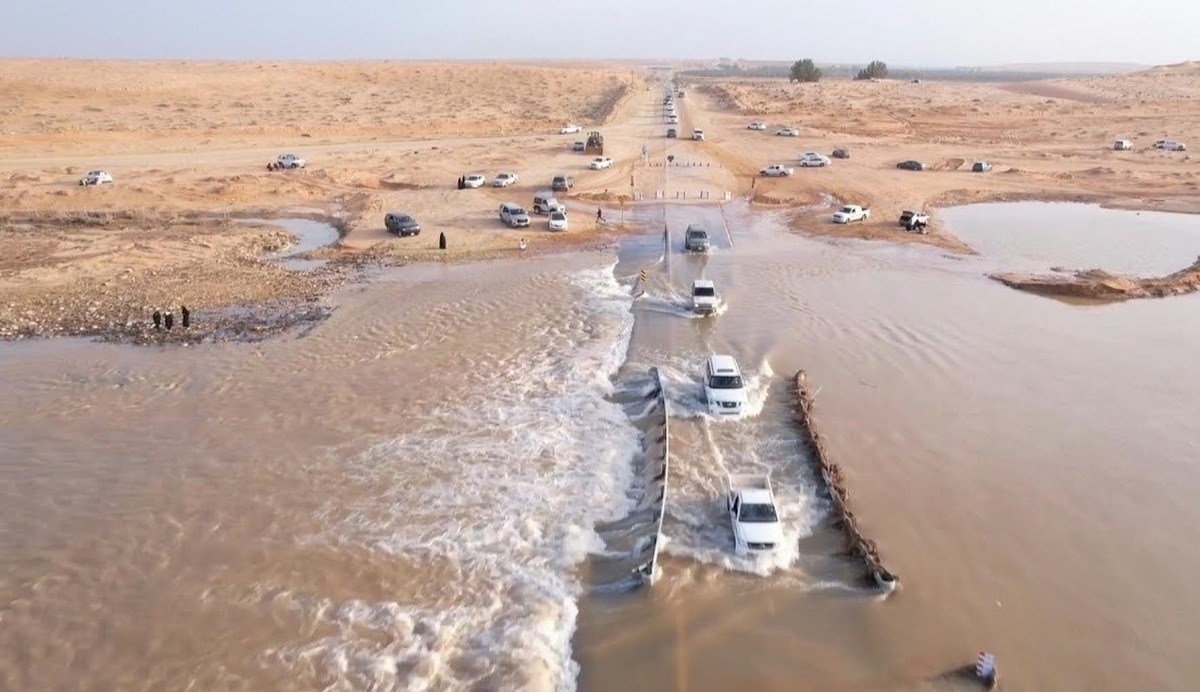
166,320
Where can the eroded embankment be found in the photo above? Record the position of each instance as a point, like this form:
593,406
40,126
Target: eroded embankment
1097,284
857,545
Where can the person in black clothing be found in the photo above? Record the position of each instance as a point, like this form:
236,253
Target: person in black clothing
599,215
186,315
168,320
442,241
157,317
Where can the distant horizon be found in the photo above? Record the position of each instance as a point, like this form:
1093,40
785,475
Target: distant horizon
648,62
932,33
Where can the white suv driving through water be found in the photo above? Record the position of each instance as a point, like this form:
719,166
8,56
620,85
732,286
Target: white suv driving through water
704,297
724,389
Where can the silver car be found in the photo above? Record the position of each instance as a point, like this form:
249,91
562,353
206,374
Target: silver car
696,239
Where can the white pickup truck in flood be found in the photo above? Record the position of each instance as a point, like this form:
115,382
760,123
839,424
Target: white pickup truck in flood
751,507
851,212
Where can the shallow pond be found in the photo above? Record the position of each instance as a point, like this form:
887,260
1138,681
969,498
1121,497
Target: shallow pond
310,235
1078,236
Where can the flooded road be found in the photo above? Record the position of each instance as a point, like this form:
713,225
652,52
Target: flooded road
406,497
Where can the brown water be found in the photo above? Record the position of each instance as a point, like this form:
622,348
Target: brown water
405,498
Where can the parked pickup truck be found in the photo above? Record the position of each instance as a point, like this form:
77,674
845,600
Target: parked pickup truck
851,212
751,507
776,170
286,161
914,220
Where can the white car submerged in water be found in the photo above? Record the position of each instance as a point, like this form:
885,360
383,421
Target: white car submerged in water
704,297
751,507
724,389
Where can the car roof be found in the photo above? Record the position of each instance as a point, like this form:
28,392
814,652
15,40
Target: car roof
695,227
703,283
723,365
757,496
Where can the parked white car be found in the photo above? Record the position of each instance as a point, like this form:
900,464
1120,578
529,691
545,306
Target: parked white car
851,212
724,389
474,180
788,132
1170,145
96,178
600,162
558,221
673,119
777,170
751,506
698,135
813,159
504,180
286,161
704,297
756,126
570,129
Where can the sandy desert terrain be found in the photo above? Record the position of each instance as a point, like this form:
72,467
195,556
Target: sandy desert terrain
188,144
1047,140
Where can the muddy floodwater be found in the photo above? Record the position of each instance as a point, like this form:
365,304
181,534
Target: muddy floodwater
1043,235
408,496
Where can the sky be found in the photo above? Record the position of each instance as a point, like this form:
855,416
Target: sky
921,33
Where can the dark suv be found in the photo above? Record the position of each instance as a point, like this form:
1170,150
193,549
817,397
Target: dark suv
401,224
562,183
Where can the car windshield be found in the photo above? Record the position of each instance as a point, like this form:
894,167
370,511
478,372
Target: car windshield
847,210
558,216
517,211
704,291
697,233
758,513
725,382
404,218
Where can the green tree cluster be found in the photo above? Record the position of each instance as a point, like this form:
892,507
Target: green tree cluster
805,71
877,69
